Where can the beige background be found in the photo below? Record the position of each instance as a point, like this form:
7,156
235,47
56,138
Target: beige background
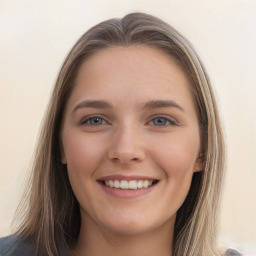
35,36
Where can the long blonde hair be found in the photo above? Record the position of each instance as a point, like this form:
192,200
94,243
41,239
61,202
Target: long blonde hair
50,211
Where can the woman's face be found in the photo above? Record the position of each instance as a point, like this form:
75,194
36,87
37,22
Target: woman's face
130,123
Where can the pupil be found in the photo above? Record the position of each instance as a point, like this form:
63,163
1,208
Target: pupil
160,121
95,121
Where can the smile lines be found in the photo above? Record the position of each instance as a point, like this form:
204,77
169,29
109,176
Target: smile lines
131,184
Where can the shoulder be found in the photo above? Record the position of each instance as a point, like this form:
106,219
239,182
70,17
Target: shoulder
16,246
232,252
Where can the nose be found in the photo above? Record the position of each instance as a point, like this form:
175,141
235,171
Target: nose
126,146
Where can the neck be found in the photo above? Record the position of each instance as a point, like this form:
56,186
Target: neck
97,241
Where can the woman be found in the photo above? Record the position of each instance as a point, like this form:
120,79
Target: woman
130,158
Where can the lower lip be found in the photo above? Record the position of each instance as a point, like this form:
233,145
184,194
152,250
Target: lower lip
127,193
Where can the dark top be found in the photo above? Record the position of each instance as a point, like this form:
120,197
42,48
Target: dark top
14,246
232,252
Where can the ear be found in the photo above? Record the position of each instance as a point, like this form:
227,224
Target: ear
62,153
63,159
199,163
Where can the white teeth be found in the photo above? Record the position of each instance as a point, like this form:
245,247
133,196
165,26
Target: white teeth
140,184
116,184
124,184
132,184
145,184
111,183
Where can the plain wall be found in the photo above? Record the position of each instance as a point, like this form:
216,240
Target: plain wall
35,36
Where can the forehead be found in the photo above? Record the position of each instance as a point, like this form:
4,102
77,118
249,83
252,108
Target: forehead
139,73
133,59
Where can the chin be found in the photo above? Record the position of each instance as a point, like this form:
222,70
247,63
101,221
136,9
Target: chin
130,228
132,224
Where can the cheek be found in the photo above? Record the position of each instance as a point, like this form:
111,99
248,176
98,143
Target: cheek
177,154
83,155
175,157
82,152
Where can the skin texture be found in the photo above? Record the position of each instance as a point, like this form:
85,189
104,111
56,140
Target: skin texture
129,139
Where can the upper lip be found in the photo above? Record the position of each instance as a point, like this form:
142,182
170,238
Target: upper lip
123,177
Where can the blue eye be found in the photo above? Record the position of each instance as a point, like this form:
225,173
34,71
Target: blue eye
162,121
95,120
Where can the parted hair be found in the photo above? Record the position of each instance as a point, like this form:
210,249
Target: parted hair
49,213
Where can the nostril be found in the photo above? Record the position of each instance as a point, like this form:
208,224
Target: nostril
124,160
125,156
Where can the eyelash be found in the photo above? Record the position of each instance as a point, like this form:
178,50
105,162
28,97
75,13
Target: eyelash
87,119
171,121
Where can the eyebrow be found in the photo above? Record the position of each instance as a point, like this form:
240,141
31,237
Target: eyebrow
101,104
93,104
162,104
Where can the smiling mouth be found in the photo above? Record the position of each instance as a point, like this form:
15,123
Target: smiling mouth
129,184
